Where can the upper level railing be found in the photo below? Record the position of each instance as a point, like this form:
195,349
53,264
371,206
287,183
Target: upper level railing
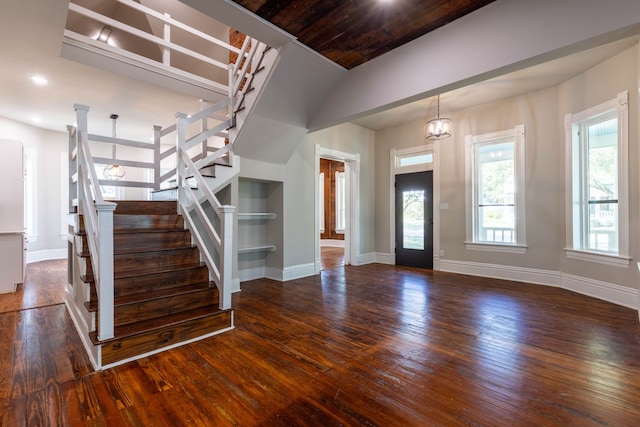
155,44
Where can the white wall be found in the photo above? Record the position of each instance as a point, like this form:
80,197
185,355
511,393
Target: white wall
48,145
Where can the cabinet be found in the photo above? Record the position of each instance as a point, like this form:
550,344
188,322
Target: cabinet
11,215
259,228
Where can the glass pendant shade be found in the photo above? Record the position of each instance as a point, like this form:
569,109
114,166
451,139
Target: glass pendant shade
438,128
113,171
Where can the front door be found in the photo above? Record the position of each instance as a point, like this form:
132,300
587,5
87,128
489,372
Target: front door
414,219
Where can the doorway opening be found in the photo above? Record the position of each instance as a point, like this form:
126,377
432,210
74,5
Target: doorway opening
332,212
337,207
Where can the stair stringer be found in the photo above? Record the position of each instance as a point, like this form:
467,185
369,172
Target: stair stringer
260,78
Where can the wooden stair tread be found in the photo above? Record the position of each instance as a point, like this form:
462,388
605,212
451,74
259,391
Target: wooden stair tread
155,295
146,207
144,326
148,250
148,230
146,271
150,296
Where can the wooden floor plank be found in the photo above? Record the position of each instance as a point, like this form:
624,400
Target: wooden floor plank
373,345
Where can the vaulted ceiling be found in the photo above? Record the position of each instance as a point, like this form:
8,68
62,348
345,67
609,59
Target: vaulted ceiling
352,32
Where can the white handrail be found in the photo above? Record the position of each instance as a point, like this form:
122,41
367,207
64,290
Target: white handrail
178,24
164,42
98,224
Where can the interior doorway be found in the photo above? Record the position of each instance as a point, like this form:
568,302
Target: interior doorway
332,212
343,249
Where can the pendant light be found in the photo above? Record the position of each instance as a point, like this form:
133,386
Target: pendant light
438,128
113,171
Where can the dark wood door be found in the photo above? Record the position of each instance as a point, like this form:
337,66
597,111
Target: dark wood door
414,219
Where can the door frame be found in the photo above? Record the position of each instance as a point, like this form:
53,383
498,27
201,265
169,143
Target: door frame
394,170
352,203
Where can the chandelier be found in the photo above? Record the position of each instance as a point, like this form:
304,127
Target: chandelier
438,128
113,171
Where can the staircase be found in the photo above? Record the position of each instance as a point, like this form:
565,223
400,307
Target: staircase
146,276
162,293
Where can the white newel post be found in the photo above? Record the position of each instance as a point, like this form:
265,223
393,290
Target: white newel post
226,255
105,254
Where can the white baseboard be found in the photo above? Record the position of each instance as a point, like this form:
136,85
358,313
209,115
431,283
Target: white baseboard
507,272
281,275
83,333
298,271
386,258
367,258
46,254
616,294
610,292
332,243
247,274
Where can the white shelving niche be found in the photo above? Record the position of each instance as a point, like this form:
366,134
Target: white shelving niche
260,229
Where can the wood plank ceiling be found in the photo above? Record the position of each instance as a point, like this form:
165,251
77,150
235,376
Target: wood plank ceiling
352,32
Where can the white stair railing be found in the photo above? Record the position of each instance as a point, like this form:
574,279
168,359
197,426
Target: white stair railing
213,234
98,222
164,42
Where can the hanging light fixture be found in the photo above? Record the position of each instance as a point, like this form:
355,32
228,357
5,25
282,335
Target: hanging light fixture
105,34
113,171
439,128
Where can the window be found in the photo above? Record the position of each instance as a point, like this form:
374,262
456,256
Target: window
341,208
416,159
597,218
495,190
321,202
30,194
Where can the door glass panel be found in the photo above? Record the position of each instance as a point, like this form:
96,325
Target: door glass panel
413,219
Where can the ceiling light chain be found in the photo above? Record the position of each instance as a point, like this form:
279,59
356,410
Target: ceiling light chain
113,171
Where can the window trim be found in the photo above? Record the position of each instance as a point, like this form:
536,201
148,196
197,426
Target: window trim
31,195
572,122
517,134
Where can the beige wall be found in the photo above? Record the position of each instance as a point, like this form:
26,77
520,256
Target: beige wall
299,192
595,86
542,112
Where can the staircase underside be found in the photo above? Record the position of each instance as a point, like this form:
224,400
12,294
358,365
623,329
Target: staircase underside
162,291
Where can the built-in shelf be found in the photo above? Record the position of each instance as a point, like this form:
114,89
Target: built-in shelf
245,216
264,248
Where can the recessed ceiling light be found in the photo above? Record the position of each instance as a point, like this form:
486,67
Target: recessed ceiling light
39,80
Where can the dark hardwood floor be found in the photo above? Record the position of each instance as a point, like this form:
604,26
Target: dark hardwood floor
373,345
331,257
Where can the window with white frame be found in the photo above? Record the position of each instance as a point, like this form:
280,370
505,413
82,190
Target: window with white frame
495,190
597,176
341,207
